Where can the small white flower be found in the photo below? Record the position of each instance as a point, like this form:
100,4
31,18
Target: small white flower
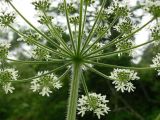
44,84
7,75
96,103
45,91
8,87
122,79
156,62
130,87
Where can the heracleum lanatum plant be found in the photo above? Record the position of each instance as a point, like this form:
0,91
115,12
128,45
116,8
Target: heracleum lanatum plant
82,51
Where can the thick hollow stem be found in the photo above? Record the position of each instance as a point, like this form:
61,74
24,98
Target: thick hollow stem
76,74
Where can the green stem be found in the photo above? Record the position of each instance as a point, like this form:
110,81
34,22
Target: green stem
99,38
39,45
93,27
55,33
98,72
120,51
121,67
80,26
85,88
117,41
45,36
37,62
31,78
72,107
84,19
68,24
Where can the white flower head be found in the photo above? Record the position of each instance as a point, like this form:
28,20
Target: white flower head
7,87
6,76
120,8
96,103
122,79
153,7
155,34
45,84
40,54
156,62
125,45
4,47
125,25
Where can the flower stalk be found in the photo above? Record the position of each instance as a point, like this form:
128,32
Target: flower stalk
72,105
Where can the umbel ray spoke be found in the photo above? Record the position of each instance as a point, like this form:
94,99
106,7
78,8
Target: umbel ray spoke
56,34
46,37
100,36
31,78
37,62
85,87
124,38
68,24
121,67
98,72
80,26
93,27
120,51
39,44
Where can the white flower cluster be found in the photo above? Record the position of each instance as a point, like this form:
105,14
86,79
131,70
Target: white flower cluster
153,7
155,34
44,84
125,45
40,54
122,79
120,8
95,102
7,75
125,25
156,62
4,46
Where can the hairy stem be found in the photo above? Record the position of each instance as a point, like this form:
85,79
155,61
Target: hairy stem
76,75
